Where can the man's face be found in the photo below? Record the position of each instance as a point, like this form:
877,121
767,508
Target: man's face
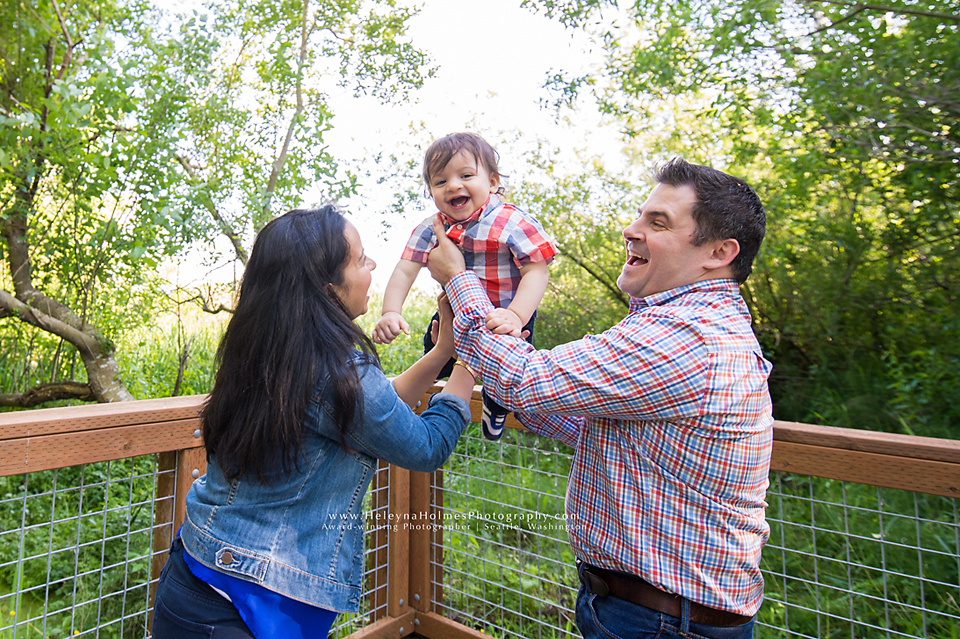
660,250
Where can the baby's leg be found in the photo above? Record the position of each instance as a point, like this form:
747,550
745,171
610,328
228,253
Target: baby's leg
494,415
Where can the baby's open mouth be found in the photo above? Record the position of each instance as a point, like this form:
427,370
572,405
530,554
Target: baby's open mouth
457,202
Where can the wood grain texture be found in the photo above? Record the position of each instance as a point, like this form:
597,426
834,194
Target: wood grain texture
69,419
32,454
433,626
888,471
388,628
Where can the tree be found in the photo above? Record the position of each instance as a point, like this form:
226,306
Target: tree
585,210
255,87
121,144
843,115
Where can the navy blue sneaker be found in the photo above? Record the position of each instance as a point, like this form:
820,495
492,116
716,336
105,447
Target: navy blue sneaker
493,419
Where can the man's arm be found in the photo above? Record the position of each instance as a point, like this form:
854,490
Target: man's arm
653,371
652,367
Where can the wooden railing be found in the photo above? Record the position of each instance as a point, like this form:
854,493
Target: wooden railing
32,441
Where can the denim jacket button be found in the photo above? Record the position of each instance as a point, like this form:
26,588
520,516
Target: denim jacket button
226,558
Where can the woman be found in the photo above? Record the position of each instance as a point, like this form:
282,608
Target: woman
272,543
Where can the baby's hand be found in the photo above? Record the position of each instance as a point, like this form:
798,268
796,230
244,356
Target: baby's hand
389,326
503,321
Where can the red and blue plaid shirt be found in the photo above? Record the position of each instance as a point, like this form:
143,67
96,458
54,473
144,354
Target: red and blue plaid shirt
496,241
671,422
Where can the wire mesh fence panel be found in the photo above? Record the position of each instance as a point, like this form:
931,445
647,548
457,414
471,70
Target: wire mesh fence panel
373,602
849,560
507,567
76,549
843,559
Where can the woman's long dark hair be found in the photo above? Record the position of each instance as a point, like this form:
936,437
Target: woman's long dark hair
289,327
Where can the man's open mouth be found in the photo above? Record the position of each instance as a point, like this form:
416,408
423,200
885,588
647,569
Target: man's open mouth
634,260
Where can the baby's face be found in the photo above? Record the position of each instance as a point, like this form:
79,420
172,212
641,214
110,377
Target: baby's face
462,186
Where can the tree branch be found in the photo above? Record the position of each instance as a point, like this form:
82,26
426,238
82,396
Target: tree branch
225,227
889,9
68,54
282,156
43,393
35,317
836,22
600,276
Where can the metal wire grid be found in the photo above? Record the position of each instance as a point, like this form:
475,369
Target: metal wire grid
507,568
373,603
76,548
843,559
859,561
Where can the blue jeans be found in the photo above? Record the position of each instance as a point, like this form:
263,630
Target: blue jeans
613,618
187,608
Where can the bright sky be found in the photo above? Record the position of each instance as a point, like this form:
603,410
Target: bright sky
493,59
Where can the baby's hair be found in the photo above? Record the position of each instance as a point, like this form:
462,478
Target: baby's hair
442,151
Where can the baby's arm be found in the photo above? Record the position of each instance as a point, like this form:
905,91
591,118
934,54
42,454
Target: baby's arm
530,291
391,322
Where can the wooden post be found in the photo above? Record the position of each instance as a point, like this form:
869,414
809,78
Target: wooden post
421,535
174,477
191,463
398,556
162,520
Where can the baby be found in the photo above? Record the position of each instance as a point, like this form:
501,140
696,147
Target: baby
505,246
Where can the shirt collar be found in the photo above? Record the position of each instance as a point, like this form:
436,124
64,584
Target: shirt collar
449,221
716,285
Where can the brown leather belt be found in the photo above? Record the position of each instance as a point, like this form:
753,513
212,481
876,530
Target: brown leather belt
635,590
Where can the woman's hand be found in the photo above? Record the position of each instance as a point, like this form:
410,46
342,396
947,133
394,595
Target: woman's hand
442,335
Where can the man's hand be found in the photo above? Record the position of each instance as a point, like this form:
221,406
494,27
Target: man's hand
390,325
503,321
445,260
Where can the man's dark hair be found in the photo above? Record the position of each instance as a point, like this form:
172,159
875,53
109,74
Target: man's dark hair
726,208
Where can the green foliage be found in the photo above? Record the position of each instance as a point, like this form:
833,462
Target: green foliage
402,352
585,213
128,136
841,117
508,563
150,356
81,541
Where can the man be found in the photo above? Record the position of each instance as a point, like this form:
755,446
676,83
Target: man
668,413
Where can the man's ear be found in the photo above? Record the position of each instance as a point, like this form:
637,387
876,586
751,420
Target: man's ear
722,254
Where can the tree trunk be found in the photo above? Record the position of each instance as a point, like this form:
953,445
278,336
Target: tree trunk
33,307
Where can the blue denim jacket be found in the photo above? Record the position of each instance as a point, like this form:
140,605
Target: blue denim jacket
302,534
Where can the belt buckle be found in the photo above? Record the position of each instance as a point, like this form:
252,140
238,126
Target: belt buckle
596,583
